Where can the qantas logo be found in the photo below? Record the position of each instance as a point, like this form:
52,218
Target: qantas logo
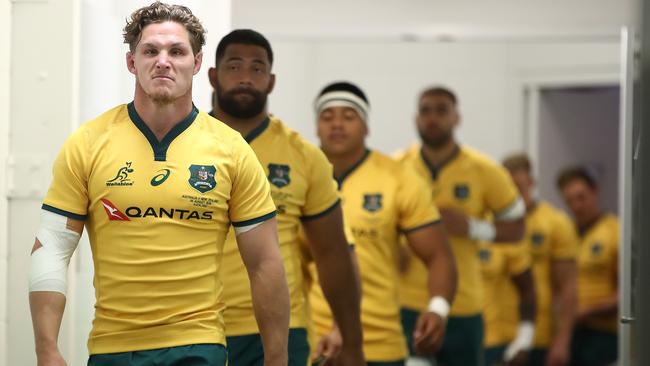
114,214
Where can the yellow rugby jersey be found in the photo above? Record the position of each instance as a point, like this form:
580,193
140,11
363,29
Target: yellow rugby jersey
549,236
380,199
157,214
302,188
499,263
598,268
474,184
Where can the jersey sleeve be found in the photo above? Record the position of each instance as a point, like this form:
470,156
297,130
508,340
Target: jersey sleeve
415,203
500,190
615,243
68,192
250,198
564,239
518,258
322,193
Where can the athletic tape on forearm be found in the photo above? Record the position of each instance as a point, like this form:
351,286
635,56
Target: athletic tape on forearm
522,342
242,229
440,306
482,230
514,212
49,263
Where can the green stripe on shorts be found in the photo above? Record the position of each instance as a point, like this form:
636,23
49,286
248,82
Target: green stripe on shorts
247,350
190,355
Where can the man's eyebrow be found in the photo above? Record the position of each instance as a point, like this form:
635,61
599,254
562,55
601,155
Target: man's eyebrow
155,45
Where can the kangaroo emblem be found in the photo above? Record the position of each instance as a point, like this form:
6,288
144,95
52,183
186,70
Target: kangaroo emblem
123,173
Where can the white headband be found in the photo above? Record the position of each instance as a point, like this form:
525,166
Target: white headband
342,99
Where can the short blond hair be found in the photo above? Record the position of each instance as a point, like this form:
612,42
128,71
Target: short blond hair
160,12
516,162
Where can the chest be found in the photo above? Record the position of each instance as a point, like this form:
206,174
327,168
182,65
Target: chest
287,174
193,183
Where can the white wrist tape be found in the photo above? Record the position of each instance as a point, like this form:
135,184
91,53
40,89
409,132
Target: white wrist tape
49,263
514,212
481,230
522,342
440,306
242,229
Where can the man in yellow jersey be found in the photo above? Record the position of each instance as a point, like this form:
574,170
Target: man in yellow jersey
552,243
466,186
595,334
509,313
382,199
157,185
305,193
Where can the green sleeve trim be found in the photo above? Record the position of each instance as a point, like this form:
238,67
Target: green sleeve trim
65,213
414,229
254,221
323,213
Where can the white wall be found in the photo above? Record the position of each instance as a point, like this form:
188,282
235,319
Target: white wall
465,18
489,78
580,126
105,80
42,108
5,39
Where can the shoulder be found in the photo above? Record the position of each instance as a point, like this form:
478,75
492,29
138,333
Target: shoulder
215,128
612,224
408,154
92,130
479,160
295,142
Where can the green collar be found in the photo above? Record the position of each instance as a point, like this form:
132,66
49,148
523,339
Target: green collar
160,147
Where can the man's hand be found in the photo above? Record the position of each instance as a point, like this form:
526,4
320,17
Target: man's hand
349,356
329,346
50,358
558,354
455,222
429,333
520,359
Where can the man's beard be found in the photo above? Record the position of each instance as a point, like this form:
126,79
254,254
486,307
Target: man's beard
238,109
435,142
162,99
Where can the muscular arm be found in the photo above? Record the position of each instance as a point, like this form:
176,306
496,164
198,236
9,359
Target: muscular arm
47,311
563,276
431,246
457,223
260,253
526,289
509,231
335,271
517,351
46,305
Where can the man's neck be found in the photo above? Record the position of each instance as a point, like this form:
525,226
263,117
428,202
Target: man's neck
161,119
438,155
243,125
590,222
342,163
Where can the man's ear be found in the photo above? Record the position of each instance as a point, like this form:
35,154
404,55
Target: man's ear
130,62
213,77
271,84
198,61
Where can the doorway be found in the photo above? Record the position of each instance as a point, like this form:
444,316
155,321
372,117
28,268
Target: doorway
579,126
